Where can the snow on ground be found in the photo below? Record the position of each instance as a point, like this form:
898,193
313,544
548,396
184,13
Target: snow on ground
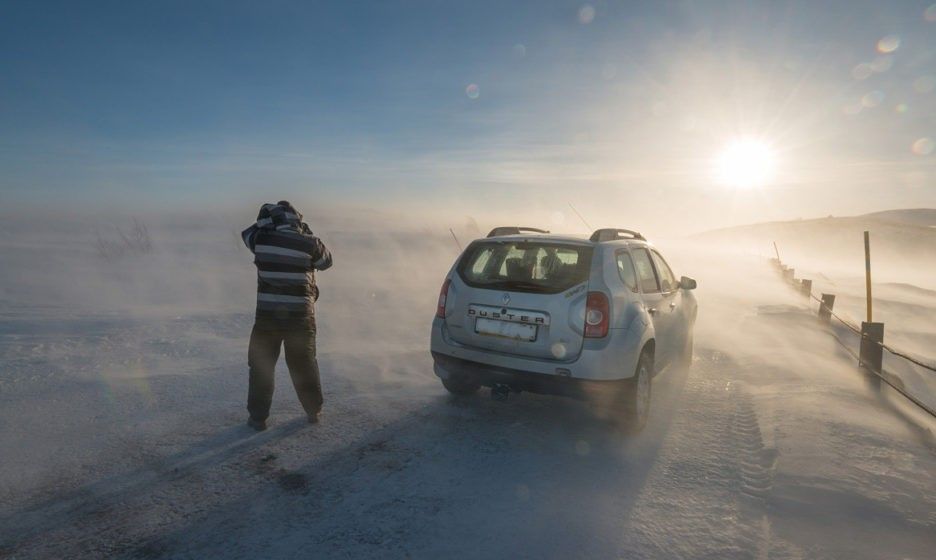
122,433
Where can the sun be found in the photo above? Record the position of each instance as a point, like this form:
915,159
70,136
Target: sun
746,163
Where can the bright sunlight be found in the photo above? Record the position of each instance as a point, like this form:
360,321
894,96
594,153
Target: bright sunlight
745,163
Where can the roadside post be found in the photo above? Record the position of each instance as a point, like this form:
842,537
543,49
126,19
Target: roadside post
871,354
806,287
825,308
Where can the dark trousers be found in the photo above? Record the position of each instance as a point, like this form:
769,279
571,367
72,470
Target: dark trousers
300,358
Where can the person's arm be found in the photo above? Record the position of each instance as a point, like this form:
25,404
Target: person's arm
249,236
321,256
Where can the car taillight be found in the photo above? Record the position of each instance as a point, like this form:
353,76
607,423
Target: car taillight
443,295
597,315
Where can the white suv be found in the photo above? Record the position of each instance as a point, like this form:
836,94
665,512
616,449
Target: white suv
523,310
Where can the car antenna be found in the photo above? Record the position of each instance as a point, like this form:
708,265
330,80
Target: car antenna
580,217
456,239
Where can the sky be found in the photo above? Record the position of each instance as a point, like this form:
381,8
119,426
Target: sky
623,109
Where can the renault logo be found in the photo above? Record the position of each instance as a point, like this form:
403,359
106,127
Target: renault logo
506,298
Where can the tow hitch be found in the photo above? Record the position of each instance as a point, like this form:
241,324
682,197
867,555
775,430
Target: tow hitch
500,392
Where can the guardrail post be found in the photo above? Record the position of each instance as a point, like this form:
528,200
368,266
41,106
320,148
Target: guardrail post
871,354
825,308
806,287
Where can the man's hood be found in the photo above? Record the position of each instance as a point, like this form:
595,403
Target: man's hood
279,216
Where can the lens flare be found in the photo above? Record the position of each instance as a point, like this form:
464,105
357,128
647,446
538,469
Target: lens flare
930,13
586,14
888,44
745,163
923,146
473,91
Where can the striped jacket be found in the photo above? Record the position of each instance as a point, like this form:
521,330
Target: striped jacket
287,256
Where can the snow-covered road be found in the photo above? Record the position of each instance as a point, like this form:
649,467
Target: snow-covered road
739,461
124,437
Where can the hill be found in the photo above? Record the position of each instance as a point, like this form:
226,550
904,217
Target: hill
903,243
914,216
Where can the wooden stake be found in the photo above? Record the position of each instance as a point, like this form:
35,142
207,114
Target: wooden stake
867,240
777,251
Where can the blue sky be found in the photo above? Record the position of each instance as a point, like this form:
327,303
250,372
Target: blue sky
366,103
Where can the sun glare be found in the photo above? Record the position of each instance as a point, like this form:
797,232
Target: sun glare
745,163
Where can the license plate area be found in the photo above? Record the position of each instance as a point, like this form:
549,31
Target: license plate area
505,329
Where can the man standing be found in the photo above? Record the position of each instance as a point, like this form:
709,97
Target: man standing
287,255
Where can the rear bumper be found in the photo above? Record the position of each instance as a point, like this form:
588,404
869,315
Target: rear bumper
610,359
546,384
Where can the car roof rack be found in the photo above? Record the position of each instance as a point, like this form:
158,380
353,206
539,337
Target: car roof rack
612,234
513,230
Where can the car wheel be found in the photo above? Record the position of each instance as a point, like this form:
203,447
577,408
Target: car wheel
635,398
461,385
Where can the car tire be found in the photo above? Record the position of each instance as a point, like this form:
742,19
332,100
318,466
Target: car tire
461,385
635,396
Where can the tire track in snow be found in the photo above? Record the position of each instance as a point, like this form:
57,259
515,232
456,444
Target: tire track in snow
756,467
712,475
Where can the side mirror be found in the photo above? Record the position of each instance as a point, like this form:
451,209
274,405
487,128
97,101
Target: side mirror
687,283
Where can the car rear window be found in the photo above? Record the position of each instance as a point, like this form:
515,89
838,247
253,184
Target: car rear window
525,266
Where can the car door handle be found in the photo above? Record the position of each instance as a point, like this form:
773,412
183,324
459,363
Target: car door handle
651,310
